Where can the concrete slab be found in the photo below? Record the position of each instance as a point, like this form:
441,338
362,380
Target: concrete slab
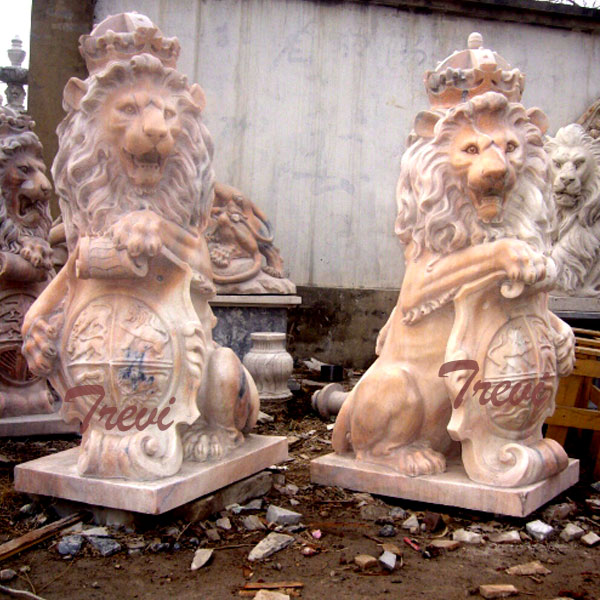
452,488
56,475
42,424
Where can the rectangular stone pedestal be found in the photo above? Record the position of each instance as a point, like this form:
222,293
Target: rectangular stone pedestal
48,424
452,488
56,475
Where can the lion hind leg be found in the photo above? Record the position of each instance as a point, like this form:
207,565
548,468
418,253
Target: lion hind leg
383,423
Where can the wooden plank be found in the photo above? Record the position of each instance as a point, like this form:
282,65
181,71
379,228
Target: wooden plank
568,391
587,368
581,418
36,536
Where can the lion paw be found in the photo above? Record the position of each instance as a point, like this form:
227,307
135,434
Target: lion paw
205,444
39,347
413,460
139,233
521,262
37,252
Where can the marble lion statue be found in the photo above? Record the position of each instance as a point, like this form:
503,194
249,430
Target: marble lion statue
24,207
575,168
472,204
134,177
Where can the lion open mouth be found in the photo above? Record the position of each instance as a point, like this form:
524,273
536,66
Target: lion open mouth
489,207
28,209
145,168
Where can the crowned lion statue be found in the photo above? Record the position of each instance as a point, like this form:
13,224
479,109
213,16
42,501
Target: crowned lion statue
474,214
25,267
124,330
575,169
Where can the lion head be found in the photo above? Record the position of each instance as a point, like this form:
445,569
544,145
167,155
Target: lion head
473,174
575,172
133,139
24,210
576,188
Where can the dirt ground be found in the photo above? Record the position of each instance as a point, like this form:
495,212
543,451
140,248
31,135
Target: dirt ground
163,571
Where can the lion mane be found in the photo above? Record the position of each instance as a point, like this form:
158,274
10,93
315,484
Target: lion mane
434,209
94,191
13,233
577,232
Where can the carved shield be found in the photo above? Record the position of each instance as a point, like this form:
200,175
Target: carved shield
141,340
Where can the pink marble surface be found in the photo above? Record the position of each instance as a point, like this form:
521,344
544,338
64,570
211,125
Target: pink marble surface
450,488
56,475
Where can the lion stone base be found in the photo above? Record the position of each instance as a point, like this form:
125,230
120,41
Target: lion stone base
451,488
41,424
56,475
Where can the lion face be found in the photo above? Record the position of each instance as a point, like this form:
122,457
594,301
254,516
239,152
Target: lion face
26,188
142,123
488,159
571,169
473,174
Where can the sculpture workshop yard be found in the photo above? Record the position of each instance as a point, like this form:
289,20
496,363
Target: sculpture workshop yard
347,527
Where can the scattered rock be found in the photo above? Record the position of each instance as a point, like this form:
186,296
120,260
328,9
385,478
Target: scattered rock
201,557
96,532
497,590
571,532
213,535
387,531
558,512
27,509
274,542
411,523
372,512
253,523
7,574
467,537
255,504
506,537
282,516
388,560
270,595
264,417
432,521
539,530
290,489
590,539
294,502
387,547
308,550
445,544
398,514
70,545
596,486
105,545
365,561
224,523
593,503
158,546
136,546
531,568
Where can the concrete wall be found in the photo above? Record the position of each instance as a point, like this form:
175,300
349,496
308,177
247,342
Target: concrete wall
309,104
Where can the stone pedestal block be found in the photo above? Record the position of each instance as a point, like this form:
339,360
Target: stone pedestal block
57,475
240,316
450,488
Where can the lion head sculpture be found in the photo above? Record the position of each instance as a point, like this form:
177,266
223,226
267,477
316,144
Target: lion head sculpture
474,174
575,170
133,139
24,210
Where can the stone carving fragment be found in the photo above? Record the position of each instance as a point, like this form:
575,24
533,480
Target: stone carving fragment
473,215
575,170
240,240
24,259
128,316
